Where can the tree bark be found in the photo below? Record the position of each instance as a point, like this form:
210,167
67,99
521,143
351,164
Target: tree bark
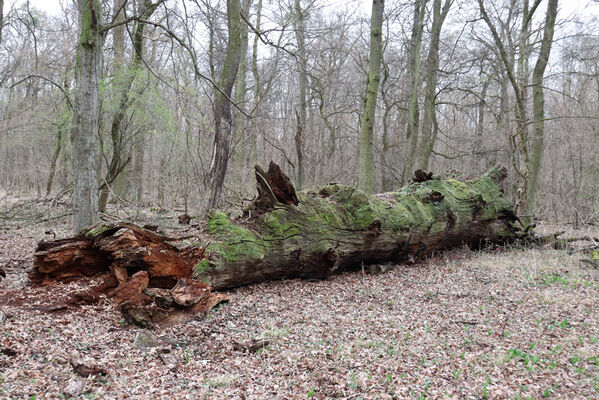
119,161
85,114
253,147
538,99
480,122
518,79
310,234
300,33
60,131
120,184
366,175
240,137
414,84
118,37
222,105
137,178
1,18
429,123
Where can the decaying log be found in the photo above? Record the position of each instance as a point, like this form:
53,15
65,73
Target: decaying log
283,234
338,227
138,260
126,246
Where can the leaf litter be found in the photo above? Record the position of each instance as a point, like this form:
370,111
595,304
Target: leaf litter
503,323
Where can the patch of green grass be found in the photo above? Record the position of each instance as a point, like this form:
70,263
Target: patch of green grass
551,279
485,393
547,392
556,349
354,381
528,359
369,344
389,377
574,360
456,374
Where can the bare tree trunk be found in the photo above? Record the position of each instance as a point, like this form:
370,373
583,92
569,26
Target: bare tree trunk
211,39
60,130
118,44
518,140
539,105
118,37
240,138
137,178
429,123
414,78
504,121
161,180
1,18
222,105
366,175
391,174
85,114
119,160
300,33
253,147
480,123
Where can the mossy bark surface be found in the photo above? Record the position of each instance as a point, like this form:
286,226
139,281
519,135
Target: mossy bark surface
309,234
338,227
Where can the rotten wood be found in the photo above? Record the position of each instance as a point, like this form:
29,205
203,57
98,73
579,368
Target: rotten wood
251,346
85,369
421,176
283,234
273,187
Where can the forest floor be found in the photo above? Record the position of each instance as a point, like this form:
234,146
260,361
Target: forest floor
504,323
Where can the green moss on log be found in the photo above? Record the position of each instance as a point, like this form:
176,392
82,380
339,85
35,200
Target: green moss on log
97,230
233,241
338,225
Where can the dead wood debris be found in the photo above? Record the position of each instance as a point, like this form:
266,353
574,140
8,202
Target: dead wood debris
421,176
85,368
7,351
146,276
148,307
184,219
251,346
353,336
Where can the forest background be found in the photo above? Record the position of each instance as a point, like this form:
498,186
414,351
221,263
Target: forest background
453,97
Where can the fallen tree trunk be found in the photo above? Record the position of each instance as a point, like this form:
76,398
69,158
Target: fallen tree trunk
337,227
158,280
311,234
